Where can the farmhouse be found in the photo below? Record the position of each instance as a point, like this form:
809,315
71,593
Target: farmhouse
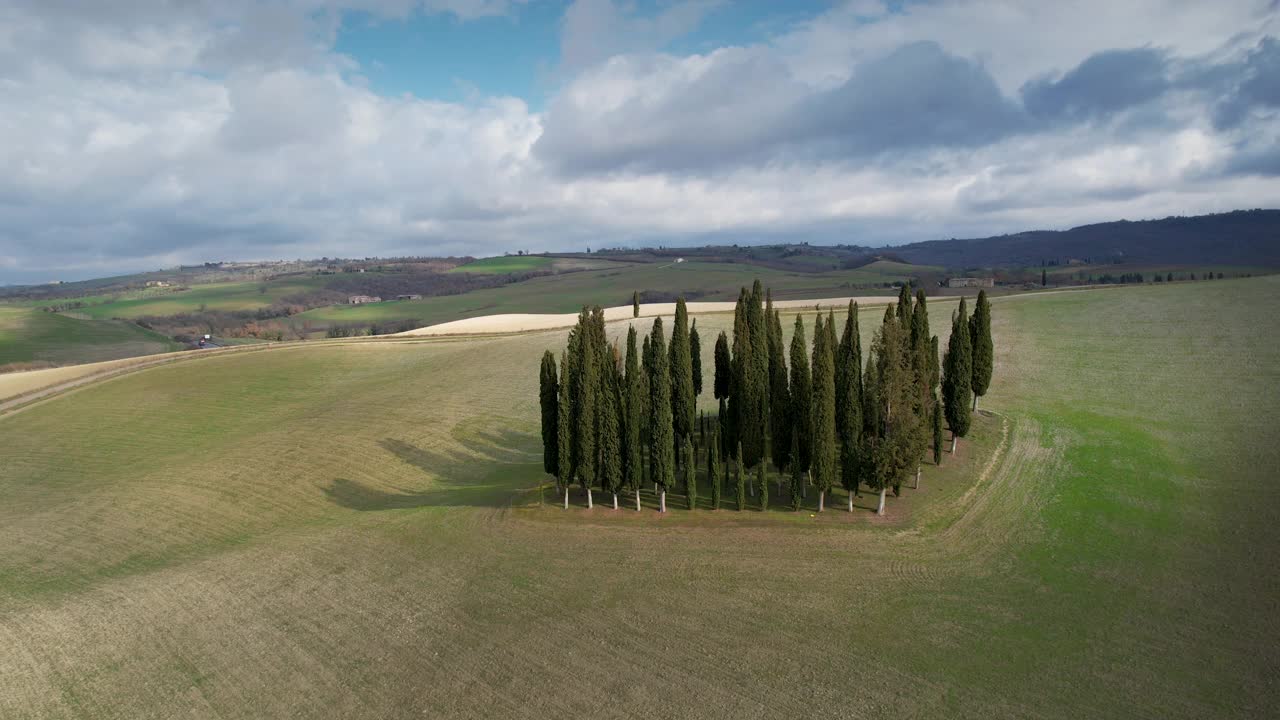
408,297
362,299
963,282
157,283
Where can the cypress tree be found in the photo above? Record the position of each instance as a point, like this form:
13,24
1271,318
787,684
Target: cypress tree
695,358
681,364
895,442
722,367
713,470
797,475
635,304
823,457
801,399
738,369
1044,278
764,486
848,366
633,435
548,399
779,396
722,440
957,369
983,350
937,431
690,475
740,477
584,432
564,432
611,442
661,433
754,414
904,305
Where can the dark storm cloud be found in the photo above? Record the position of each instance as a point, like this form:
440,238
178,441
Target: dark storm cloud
1104,84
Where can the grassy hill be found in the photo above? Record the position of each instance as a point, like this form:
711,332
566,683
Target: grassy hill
353,529
33,336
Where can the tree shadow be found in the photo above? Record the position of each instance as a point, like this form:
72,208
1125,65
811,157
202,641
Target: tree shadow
484,467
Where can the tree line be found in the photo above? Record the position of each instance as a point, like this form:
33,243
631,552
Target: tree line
623,419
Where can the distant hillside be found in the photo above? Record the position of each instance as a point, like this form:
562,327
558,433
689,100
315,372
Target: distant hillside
1243,238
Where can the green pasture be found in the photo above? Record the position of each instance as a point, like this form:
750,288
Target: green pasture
30,335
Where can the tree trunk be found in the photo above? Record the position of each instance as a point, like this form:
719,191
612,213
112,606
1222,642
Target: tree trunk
566,497
589,498
615,501
751,488
917,477
954,437
975,402
662,501
880,507
822,494
850,502
637,499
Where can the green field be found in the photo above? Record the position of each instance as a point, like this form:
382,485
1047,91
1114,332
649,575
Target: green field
353,530
213,296
505,264
570,291
28,335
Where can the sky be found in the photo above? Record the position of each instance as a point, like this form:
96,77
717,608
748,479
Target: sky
143,134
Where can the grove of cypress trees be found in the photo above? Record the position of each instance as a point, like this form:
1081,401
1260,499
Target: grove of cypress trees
548,399
713,469
661,433
801,399
690,474
957,368
779,396
848,366
564,432
695,358
823,456
681,364
983,350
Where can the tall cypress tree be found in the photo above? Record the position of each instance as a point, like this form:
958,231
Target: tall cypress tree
983,350
957,369
548,399
755,373
723,368
635,304
633,435
611,441
739,389
564,433
681,363
661,431
584,433
713,470
690,474
779,396
823,458
801,399
848,361
695,358
895,443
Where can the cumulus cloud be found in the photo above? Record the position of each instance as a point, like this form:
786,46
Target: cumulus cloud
153,134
